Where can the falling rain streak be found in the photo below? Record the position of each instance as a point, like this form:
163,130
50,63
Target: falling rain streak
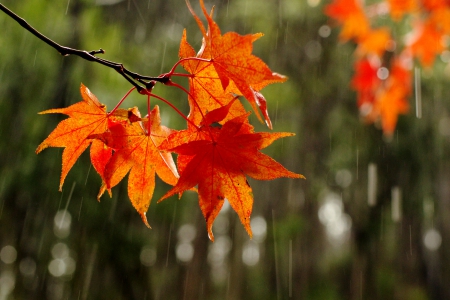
372,185
396,204
275,253
290,268
418,92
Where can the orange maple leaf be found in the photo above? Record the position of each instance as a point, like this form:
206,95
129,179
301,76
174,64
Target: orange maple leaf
219,160
440,19
393,100
374,42
398,8
206,92
86,117
426,43
351,16
136,152
231,55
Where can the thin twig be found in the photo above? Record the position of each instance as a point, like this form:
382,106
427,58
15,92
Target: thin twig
131,77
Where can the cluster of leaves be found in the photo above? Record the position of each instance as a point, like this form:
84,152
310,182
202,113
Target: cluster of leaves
215,152
385,57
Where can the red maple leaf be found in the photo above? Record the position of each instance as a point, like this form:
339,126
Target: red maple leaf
218,160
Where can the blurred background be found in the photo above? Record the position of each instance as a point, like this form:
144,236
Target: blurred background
370,222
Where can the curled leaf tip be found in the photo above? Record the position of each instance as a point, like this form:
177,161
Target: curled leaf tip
144,219
210,234
249,230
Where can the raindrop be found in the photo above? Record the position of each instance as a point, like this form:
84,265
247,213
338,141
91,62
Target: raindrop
324,31
60,250
390,46
445,56
343,178
67,7
27,267
340,226
70,265
184,252
372,185
62,222
418,92
148,256
187,233
396,195
432,239
8,254
163,57
383,73
290,268
365,109
331,210
57,267
7,283
313,50
259,228
250,253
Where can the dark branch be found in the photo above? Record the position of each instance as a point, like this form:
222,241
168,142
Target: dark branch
131,77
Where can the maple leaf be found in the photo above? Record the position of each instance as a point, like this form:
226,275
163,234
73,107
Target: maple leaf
351,16
435,5
218,158
426,42
365,77
137,153
366,82
398,8
393,100
206,92
232,58
86,117
440,19
374,42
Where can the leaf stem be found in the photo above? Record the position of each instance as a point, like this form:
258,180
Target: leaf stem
120,102
176,109
171,83
171,72
150,120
